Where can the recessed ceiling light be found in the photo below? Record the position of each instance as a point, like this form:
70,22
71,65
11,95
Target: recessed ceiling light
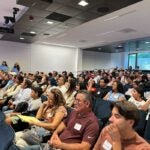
21,38
83,3
50,22
33,32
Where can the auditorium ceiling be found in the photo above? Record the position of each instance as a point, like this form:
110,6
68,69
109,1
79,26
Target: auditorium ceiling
65,22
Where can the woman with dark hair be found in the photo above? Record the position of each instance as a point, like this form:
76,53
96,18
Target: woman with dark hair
117,92
16,68
51,112
81,86
137,98
4,66
69,95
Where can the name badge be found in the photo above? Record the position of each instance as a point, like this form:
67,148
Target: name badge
107,145
98,92
116,96
77,126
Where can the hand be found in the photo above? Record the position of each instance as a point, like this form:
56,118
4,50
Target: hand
11,106
10,102
53,135
45,103
55,141
113,131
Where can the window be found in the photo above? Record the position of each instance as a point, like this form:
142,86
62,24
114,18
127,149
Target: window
132,60
143,61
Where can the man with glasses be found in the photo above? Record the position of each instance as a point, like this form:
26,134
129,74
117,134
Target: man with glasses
80,129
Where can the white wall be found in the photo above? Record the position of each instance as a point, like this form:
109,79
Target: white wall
95,60
15,52
33,57
116,60
99,60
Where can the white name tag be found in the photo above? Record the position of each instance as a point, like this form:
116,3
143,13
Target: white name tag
107,145
77,126
116,96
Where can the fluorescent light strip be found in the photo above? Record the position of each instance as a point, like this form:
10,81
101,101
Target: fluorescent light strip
21,38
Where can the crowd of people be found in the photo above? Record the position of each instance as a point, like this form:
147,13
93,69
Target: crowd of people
63,107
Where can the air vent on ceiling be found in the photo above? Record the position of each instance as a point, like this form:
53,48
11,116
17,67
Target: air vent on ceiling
58,17
127,30
28,34
28,3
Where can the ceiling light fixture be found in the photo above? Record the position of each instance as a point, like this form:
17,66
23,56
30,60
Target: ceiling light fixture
21,38
83,3
32,32
50,22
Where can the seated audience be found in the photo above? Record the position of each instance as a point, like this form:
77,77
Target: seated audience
78,131
51,112
22,96
33,104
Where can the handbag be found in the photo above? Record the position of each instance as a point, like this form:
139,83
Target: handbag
35,135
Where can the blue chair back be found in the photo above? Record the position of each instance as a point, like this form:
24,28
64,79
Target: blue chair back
6,134
102,111
147,130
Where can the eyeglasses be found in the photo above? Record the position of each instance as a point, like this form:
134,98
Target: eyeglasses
79,101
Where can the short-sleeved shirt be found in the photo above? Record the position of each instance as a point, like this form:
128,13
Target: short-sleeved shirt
80,128
138,104
114,96
136,143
